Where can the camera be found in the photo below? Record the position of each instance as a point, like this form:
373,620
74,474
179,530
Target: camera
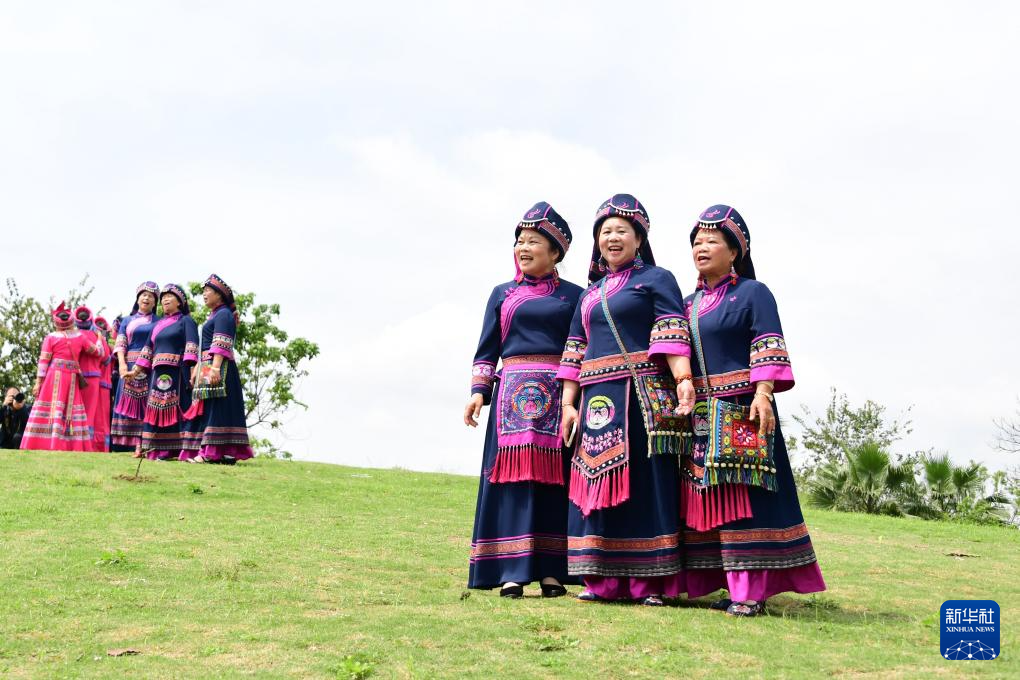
19,397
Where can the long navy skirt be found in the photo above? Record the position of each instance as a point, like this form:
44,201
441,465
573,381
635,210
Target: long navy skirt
520,531
641,537
773,545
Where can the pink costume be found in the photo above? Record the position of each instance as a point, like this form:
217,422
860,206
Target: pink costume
91,370
58,421
102,423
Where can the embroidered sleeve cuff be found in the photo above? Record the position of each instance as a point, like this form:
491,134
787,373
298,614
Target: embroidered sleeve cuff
671,330
782,376
483,374
224,342
121,344
570,362
143,361
191,353
771,361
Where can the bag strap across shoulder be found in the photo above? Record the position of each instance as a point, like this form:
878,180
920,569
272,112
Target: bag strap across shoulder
696,337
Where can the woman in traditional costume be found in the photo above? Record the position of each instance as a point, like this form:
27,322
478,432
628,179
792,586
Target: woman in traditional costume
133,388
628,354
59,421
91,369
520,525
105,384
168,355
745,530
218,431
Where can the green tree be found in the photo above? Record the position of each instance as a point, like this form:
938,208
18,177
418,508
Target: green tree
24,324
928,486
269,362
842,428
866,480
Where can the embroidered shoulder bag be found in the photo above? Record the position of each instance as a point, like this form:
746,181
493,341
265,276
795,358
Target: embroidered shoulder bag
656,397
734,452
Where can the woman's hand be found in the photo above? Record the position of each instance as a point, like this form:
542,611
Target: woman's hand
684,397
35,389
193,375
123,371
569,420
214,378
761,410
473,410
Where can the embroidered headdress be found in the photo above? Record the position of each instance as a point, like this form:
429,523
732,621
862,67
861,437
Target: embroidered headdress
177,292
103,325
83,318
728,221
147,287
225,291
630,209
543,218
62,318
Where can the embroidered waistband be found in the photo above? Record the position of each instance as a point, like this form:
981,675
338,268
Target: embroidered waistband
65,365
614,366
548,359
734,382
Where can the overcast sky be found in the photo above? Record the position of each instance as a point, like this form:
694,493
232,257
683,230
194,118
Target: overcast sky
364,165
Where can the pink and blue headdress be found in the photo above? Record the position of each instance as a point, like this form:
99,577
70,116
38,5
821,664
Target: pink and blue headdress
62,318
733,228
177,292
542,218
83,318
147,287
630,209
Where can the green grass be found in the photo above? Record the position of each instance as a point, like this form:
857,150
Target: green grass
283,569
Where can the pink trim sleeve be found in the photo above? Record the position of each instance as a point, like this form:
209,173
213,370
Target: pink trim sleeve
570,362
568,373
671,335
225,353
677,349
781,375
143,362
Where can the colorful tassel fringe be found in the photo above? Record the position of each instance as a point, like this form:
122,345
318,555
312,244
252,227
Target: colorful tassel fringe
606,491
704,508
527,463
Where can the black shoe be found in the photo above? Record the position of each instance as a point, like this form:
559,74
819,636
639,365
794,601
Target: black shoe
513,592
553,590
721,605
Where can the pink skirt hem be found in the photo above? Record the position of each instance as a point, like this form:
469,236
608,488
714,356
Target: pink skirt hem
757,584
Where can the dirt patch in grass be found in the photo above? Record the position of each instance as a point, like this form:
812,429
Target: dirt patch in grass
134,478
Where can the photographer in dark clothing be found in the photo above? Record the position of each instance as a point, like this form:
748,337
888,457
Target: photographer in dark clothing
13,417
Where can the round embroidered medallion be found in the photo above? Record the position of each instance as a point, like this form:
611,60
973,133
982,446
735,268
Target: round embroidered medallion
531,400
600,412
164,382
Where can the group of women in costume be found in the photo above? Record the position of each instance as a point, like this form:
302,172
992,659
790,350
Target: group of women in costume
616,455
164,390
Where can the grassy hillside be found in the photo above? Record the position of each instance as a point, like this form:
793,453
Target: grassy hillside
283,569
